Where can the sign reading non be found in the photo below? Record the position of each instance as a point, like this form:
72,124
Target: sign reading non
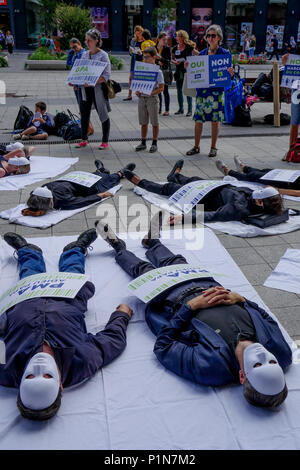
209,71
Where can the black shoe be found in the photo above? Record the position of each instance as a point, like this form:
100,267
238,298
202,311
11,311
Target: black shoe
100,167
130,167
180,111
178,164
84,240
154,230
189,113
18,242
129,175
109,236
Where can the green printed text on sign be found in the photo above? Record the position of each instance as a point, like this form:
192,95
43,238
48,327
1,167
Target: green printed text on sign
81,177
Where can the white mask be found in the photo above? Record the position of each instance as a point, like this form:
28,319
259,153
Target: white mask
40,392
268,378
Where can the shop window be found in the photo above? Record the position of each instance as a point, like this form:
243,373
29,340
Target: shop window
239,23
33,22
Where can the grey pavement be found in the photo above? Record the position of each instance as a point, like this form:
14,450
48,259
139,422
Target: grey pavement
256,257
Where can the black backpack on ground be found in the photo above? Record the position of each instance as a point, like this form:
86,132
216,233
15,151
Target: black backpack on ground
242,117
71,131
23,117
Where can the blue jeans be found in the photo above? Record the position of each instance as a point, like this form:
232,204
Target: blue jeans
32,262
158,256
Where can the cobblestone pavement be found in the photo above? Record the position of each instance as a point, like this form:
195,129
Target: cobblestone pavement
256,257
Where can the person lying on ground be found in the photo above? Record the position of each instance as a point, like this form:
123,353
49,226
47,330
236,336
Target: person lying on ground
247,173
47,344
14,166
206,333
68,195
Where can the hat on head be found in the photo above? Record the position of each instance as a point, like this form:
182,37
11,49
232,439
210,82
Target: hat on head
14,146
18,161
264,193
42,192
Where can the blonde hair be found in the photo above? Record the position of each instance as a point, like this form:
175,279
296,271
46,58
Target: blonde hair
137,28
183,34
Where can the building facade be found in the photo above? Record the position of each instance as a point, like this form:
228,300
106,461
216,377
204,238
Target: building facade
116,20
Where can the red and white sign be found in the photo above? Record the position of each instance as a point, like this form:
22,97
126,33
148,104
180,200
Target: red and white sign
3,2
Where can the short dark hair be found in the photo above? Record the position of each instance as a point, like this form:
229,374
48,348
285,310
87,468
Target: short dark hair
151,50
146,34
41,105
38,202
39,415
273,205
74,41
259,399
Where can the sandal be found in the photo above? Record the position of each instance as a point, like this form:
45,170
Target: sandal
166,113
193,151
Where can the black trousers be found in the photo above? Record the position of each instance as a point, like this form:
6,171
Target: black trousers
85,113
167,189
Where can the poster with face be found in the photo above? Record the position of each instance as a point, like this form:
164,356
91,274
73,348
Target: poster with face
298,39
100,20
201,19
278,30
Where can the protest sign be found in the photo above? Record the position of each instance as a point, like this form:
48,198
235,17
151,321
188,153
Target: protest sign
149,285
209,71
81,177
86,71
144,77
291,71
192,193
289,176
65,285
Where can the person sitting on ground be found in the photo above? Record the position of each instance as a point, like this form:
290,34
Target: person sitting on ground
224,203
67,195
247,173
47,344
14,166
206,333
39,126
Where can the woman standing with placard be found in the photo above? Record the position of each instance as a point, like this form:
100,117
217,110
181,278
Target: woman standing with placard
210,101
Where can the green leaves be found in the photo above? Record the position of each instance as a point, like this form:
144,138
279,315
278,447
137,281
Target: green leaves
73,21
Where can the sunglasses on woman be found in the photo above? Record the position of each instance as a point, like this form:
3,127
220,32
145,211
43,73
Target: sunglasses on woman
213,36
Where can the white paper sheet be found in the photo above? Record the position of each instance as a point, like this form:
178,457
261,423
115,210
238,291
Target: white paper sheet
135,403
41,168
286,275
14,215
232,228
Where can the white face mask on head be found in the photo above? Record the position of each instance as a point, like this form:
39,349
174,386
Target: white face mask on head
267,378
39,392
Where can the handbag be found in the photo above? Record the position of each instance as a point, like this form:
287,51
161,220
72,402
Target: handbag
188,91
168,75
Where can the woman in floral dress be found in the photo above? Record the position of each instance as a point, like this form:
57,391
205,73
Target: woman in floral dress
210,101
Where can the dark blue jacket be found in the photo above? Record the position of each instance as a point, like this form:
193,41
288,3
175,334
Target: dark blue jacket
60,322
193,350
48,126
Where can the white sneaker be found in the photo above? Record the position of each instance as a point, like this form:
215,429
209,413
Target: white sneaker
221,167
238,163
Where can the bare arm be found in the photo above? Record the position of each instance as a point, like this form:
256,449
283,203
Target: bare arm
289,192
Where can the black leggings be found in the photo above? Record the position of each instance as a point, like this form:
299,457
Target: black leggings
85,112
253,174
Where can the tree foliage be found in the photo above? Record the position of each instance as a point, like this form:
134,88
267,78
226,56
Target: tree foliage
165,13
